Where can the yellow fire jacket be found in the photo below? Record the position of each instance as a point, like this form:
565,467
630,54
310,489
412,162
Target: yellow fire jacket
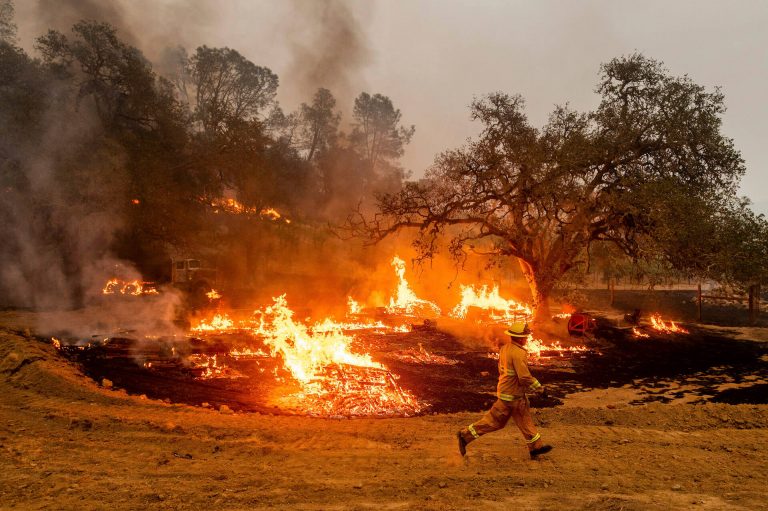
514,377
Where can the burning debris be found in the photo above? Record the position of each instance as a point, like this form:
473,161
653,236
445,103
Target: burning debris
498,309
405,301
219,323
235,207
422,356
210,367
322,367
333,379
666,326
537,349
638,334
130,288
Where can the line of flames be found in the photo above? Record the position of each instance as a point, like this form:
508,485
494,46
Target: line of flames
669,327
500,309
236,207
660,325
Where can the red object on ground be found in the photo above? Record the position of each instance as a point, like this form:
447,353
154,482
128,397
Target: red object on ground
580,323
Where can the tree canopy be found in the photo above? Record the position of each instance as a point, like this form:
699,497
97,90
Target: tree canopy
102,155
544,195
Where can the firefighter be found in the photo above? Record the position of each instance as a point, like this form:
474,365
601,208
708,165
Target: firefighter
514,381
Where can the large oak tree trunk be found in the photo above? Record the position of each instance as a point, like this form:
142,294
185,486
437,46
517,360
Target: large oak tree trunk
541,286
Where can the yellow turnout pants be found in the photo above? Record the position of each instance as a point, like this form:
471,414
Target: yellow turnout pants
497,417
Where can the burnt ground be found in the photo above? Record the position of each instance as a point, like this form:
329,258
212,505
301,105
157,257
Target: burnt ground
705,365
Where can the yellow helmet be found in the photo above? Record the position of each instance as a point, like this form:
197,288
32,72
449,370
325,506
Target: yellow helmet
518,329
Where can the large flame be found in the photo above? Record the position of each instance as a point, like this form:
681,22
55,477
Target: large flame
405,300
304,351
332,378
353,308
328,371
498,308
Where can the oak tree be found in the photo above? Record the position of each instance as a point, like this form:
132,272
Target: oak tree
543,195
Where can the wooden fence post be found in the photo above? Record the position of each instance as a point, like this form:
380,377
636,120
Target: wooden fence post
698,302
612,286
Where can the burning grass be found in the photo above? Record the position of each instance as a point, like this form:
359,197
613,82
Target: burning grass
666,326
329,366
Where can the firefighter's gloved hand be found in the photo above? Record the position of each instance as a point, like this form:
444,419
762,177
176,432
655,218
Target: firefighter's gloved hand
541,391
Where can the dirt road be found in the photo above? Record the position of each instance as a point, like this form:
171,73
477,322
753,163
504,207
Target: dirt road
67,443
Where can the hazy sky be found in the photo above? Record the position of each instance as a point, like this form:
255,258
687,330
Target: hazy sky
432,56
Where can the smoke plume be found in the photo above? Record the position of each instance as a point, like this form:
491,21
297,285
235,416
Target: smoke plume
329,48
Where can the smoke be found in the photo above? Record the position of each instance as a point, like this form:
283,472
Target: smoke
150,25
55,252
64,194
329,48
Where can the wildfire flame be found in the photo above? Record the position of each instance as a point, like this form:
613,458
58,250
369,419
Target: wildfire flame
422,356
305,352
211,368
667,327
235,207
219,323
332,378
640,335
56,343
237,353
270,213
353,307
134,288
329,325
500,309
321,360
231,206
536,347
405,300
213,294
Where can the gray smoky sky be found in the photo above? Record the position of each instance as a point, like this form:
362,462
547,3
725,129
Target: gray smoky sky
433,56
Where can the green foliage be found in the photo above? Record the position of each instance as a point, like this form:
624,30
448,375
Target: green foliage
319,124
228,88
101,156
377,134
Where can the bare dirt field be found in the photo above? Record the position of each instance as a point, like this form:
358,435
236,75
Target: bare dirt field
68,443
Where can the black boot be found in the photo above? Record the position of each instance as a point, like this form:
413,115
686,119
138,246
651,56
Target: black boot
462,443
541,450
